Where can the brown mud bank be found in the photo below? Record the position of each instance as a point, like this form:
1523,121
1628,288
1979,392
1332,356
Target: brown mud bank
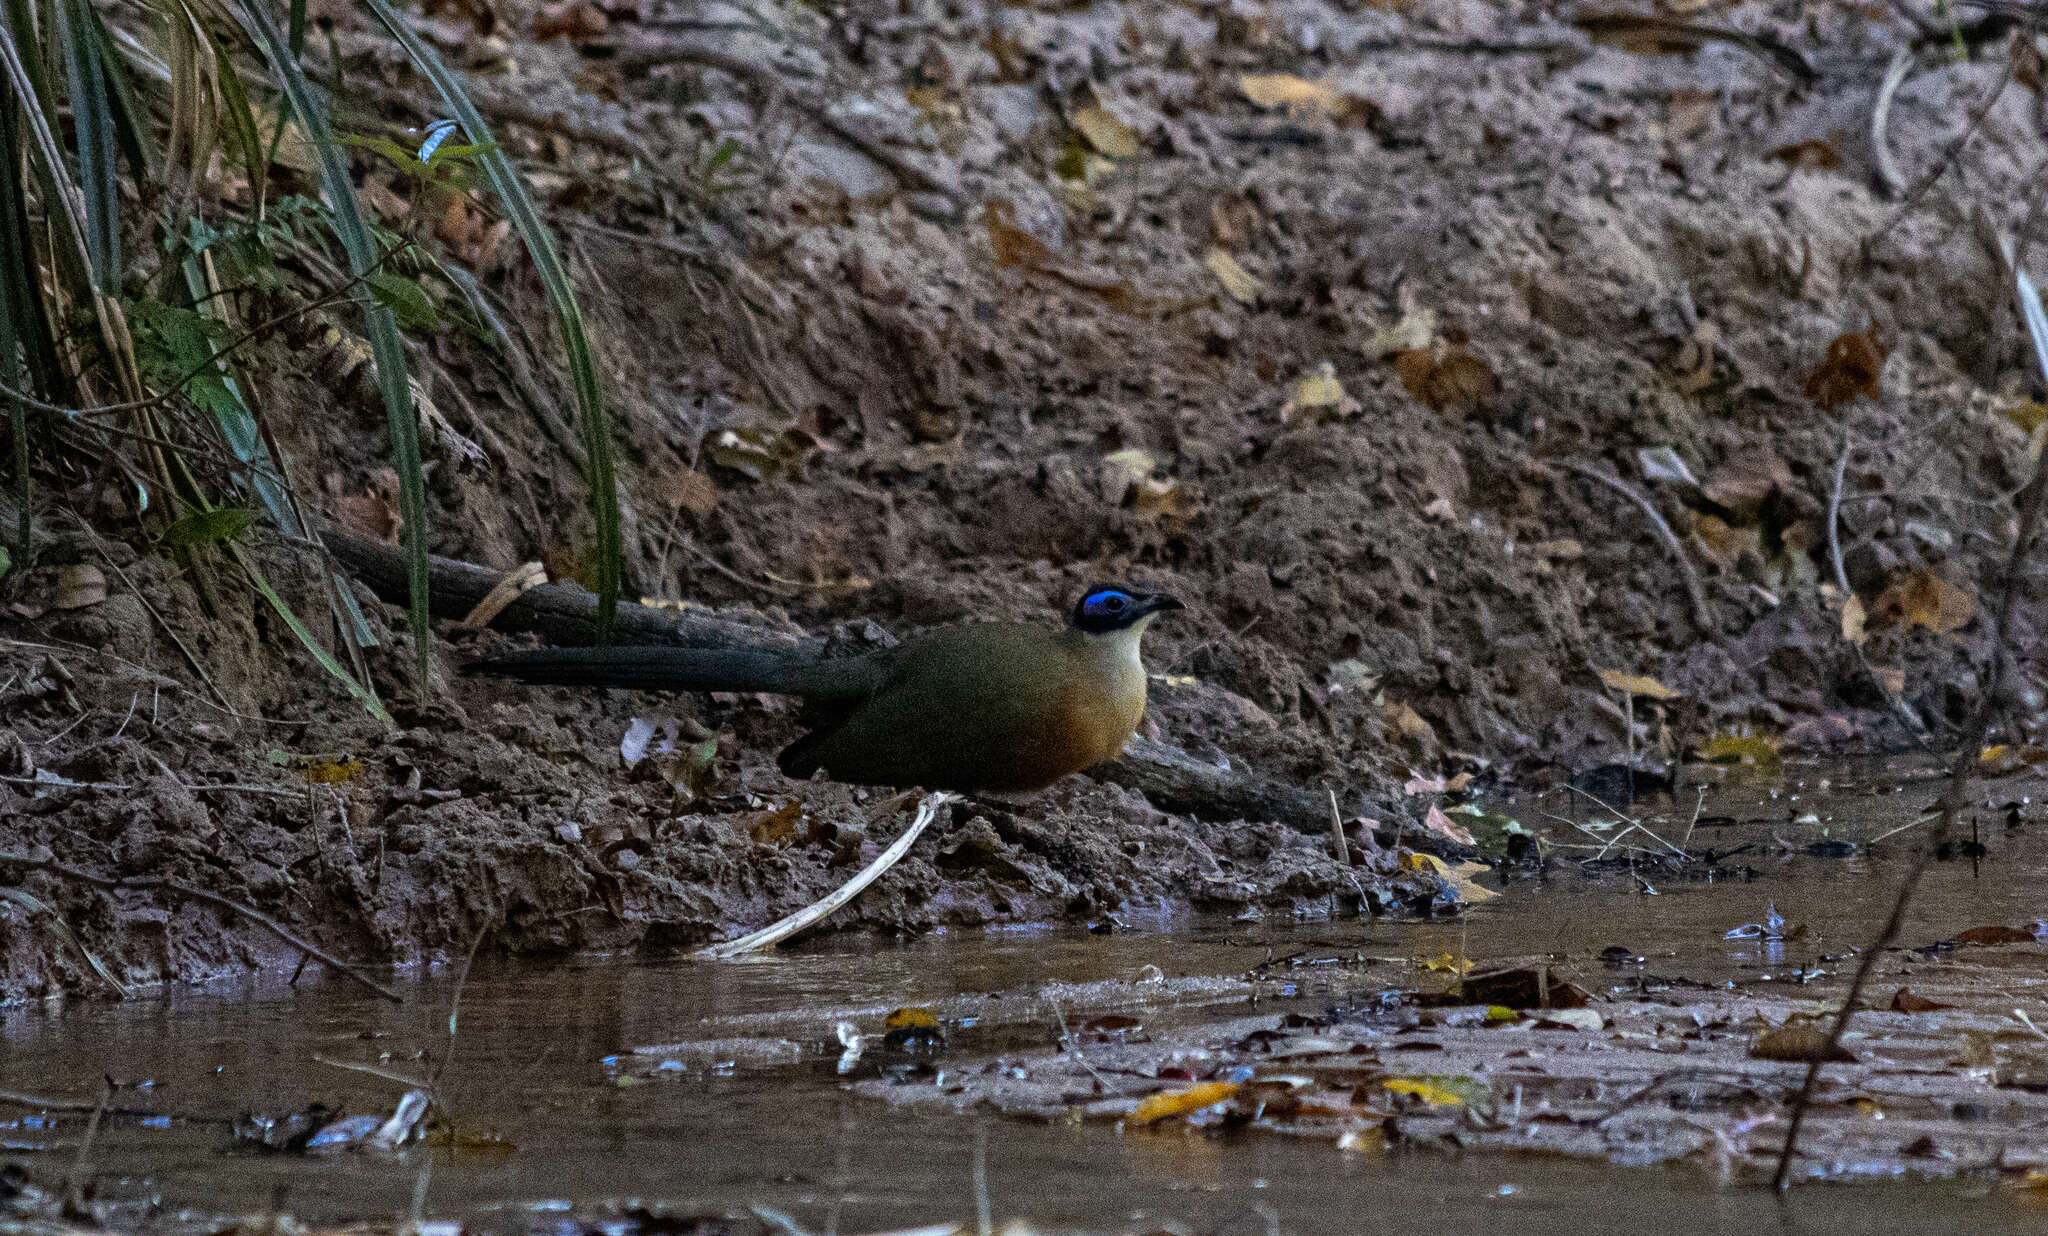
1511,357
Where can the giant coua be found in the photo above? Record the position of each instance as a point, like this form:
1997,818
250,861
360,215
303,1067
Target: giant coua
984,706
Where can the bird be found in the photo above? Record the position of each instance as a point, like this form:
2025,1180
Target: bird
979,707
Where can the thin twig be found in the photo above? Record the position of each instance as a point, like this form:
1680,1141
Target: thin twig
1702,616
74,1183
1835,519
1941,165
775,933
1340,849
2029,520
455,1012
190,659
42,862
1890,181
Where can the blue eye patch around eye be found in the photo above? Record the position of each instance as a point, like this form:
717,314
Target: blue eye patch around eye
1108,600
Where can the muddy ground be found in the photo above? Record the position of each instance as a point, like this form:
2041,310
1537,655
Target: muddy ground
958,308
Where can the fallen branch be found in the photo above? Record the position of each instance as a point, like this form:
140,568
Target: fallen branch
775,933
566,614
45,862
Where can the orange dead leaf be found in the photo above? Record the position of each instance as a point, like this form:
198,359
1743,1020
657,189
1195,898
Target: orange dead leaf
1922,598
1812,154
1012,244
1904,1001
1445,377
1851,369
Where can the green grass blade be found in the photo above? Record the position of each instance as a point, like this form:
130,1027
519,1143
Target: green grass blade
238,121
28,78
594,418
132,130
392,372
14,207
28,317
298,628
92,114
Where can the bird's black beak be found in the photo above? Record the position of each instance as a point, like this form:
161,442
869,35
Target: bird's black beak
1155,603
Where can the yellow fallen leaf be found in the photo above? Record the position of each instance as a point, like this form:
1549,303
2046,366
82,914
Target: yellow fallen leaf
1107,134
1636,684
912,1017
1236,280
1182,1102
1287,90
1469,891
1751,749
1445,963
1415,860
332,772
1434,1096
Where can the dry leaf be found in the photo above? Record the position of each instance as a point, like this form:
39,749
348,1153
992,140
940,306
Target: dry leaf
374,512
1923,598
1414,332
1446,378
1236,280
1108,135
1853,365
1798,1044
1435,821
1904,1001
79,585
577,19
1181,1102
1123,471
1469,890
1745,479
1012,244
1431,1095
1986,937
1410,723
777,826
1636,684
1318,391
1853,619
1813,154
692,491
1755,750
1723,542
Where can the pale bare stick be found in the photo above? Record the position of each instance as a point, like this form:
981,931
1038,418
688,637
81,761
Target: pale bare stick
775,933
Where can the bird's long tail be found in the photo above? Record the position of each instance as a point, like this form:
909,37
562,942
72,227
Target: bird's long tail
659,668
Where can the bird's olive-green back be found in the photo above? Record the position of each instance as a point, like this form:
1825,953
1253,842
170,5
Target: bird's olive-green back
992,707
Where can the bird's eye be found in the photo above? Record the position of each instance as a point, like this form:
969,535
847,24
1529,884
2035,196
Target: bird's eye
1115,602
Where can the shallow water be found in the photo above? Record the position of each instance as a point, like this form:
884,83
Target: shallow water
531,1064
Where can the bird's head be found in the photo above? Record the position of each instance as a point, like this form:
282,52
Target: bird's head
1101,611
